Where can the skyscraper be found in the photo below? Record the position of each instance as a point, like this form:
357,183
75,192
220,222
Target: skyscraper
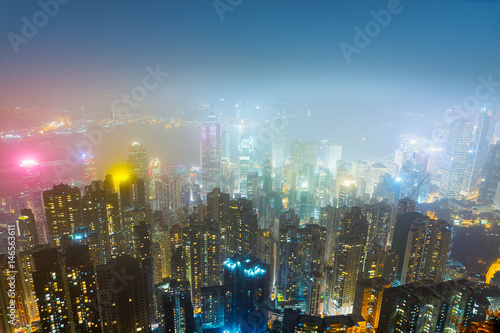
30,176
63,211
427,249
101,213
203,257
138,161
89,169
349,255
218,210
211,150
280,134
246,285
478,152
491,176
424,306
124,304
28,236
333,154
154,170
65,290
174,307
368,300
347,193
212,307
245,160
242,228
455,158
302,154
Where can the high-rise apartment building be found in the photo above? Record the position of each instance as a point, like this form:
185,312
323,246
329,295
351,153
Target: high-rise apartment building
63,211
27,230
101,214
349,256
175,309
426,252
65,287
203,257
243,225
424,306
368,300
123,296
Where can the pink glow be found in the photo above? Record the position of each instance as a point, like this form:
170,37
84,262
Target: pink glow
26,163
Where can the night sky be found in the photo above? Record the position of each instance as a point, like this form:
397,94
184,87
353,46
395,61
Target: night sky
426,59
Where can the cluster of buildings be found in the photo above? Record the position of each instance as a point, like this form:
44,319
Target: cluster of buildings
255,240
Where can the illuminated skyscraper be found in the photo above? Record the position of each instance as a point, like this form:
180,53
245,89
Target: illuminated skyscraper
27,231
455,158
314,294
368,300
65,289
333,154
32,188
101,213
211,149
242,228
203,257
347,193
218,210
62,209
154,171
30,176
138,161
491,176
245,160
265,250
79,271
178,255
89,169
212,307
427,249
246,285
288,261
478,152
280,133
349,255
424,306
26,268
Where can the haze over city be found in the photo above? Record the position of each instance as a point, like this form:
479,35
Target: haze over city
249,166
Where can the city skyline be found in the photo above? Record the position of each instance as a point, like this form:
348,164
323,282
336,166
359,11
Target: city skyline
233,166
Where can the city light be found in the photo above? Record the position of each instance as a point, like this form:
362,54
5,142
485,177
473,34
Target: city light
28,163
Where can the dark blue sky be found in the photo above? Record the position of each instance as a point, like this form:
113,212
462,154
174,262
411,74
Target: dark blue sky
426,59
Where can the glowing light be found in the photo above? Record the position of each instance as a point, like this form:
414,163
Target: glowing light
398,179
120,173
28,163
